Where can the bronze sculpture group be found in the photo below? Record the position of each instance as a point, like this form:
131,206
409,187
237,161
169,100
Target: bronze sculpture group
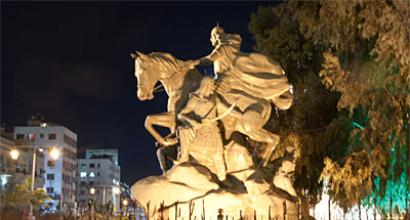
212,121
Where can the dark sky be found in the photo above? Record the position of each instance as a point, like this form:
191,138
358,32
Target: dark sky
70,62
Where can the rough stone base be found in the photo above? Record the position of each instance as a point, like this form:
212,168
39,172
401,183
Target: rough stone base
188,191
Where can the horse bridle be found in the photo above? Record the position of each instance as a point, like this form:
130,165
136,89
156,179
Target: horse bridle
160,87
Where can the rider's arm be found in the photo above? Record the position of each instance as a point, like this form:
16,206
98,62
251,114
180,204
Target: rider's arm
208,60
188,109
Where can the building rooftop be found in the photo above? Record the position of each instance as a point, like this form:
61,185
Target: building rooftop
111,154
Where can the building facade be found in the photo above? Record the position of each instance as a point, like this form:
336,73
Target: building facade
59,173
17,171
98,179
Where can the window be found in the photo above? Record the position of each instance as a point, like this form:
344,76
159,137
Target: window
52,136
50,189
83,174
50,176
50,163
83,165
41,135
91,183
98,165
98,173
69,141
92,174
92,165
20,136
82,183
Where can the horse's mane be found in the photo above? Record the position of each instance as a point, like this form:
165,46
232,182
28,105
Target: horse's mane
165,61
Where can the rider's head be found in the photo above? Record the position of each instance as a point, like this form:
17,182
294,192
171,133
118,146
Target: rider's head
219,36
207,86
216,34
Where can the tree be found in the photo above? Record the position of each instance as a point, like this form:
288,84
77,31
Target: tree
19,196
349,63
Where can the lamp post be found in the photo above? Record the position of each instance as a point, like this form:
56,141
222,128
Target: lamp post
54,154
92,205
125,204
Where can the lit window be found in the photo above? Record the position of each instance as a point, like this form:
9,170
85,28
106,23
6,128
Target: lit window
92,174
83,174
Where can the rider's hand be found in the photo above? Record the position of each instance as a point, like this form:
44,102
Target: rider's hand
170,141
192,63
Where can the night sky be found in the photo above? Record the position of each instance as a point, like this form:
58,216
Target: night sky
70,62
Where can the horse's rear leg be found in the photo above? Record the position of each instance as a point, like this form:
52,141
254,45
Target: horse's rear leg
262,135
166,120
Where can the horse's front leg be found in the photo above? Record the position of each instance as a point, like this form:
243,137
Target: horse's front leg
167,120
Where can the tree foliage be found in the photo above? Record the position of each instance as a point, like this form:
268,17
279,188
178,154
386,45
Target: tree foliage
20,195
350,67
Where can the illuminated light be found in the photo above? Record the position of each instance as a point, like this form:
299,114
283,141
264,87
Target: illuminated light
92,174
14,154
291,89
41,149
357,125
92,191
43,125
83,174
32,137
125,202
54,153
116,190
4,179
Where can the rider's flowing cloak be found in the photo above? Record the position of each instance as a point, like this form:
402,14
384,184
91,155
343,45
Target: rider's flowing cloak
254,73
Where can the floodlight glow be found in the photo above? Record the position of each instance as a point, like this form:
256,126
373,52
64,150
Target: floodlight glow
55,153
14,154
92,191
125,202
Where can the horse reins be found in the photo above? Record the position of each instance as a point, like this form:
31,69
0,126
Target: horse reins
160,87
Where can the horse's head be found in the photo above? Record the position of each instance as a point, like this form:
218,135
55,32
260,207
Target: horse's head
146,78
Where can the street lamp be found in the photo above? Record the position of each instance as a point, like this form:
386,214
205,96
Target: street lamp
14,154
92,204
125,203
54,153
92,190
